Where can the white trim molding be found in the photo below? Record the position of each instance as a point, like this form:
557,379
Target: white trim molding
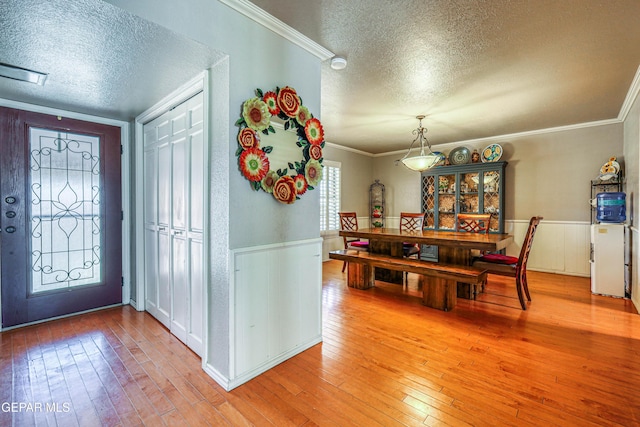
258,15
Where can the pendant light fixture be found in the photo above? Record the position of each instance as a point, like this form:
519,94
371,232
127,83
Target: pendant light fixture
425,160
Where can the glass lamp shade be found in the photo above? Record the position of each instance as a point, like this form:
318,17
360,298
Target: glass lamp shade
422,162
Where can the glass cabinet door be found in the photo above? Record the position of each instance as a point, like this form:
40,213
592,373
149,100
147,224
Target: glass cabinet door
447,202
429,200
492,182
469,199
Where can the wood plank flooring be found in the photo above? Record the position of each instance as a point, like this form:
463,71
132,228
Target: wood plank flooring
572,359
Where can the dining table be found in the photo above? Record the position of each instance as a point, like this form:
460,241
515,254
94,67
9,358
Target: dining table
454,247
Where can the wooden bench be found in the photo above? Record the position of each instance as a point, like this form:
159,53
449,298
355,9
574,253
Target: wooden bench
439,281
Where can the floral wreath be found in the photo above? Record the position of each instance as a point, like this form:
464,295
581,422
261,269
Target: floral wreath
253,160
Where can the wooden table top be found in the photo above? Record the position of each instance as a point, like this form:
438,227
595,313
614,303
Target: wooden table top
462,240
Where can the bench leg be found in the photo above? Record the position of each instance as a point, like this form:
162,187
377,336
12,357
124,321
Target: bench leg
360,276
439,293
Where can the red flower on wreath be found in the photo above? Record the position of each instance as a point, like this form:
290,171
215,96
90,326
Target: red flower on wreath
315,152
269,98
254,164
314,132
301,184
285,190
248,138
288,101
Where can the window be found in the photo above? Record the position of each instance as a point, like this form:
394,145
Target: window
330,197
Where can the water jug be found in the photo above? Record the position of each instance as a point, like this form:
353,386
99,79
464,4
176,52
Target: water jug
611,207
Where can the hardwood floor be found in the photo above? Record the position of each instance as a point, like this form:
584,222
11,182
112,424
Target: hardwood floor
386,360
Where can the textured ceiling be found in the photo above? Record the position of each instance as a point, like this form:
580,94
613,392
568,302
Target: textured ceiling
100,59
475,68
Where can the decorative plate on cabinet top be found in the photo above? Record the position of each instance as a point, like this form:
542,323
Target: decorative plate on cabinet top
491,153
442,157
460,156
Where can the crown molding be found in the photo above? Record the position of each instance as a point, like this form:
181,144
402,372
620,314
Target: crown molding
352,150
258,15
511,136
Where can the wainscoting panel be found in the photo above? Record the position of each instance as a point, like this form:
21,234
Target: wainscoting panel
558,246
277,309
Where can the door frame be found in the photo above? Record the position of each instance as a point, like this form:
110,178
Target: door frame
200,83
125,167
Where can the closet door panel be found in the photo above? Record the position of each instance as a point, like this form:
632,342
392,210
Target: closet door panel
151,271
164,278
197,180
179,291
196,297
178,184
151,190
164,184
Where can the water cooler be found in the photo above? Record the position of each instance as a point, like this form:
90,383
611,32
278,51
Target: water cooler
608,245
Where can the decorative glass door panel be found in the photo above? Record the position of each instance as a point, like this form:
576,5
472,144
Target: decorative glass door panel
446,202
469,192
428,200
492,184
66,225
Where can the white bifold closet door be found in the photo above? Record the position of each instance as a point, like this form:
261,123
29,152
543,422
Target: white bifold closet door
174,220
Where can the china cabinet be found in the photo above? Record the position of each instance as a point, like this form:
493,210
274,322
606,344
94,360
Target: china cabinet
467,188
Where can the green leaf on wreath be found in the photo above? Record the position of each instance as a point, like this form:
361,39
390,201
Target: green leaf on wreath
286,125
271,129
256,185
240,121
268,149
259,92
291,165
265,131
298,143
239,151
309,187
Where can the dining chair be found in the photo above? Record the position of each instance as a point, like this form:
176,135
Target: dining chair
473,223
349,222
504,265
411,222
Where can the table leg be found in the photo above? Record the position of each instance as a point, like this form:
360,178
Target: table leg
451,255
388,248
438,293
360,276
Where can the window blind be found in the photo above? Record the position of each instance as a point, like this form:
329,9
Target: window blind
330,197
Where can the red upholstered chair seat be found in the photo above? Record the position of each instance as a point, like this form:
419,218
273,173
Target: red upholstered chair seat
498,259
359,244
